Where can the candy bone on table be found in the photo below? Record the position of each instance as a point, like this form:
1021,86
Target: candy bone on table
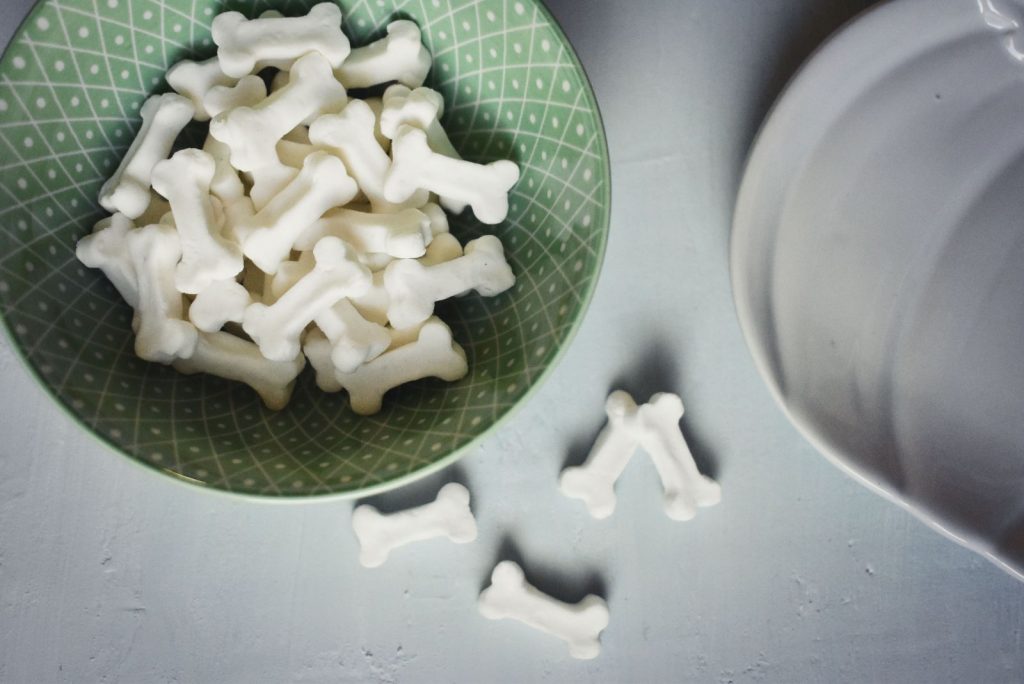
220,302
161,335
252,133
248,45
318,350
655,428
403,235
195,80
350,135
206,256
278,327
421,108
414,288
354,340
511,596
230,357
484,187
106,248
249,91
163,118
449,515
323,183
398,56
433,354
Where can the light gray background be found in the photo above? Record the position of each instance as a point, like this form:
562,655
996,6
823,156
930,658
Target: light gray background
111,573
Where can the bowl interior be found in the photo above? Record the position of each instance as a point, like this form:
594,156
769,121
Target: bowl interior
71,84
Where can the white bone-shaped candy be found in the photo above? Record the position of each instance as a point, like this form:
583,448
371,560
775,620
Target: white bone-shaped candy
247,45
322,183
252,133
248,92
403,235
106,248
511,596
226,185
448,516
163,118
654,427
350,135
269,181
194,80
291,272
230,357
162,335
318,350
421,108
293,154
185,180
433,354
594,482
414,288
354,340
220,302
685,487
398,56
484,187
277,328
237,214
376,104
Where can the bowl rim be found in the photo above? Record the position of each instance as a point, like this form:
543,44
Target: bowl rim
445,461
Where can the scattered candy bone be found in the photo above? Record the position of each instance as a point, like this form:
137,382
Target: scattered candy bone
106,248
484,187
414,288
232,358
350,135
511,596
421,108
163,118
248,45
195,80
252,133
249,91
433,354
354,340
322,183
162,335
448,516
654,427
184,180
399,56
277,328
403,235
220,302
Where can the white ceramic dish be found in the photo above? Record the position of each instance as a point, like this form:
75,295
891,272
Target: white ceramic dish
878,261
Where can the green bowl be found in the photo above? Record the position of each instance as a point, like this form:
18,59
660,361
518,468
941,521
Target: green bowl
71,84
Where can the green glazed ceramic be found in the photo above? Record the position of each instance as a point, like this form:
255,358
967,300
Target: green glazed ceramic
71,84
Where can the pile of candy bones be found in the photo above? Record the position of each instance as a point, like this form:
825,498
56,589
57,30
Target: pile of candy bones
309,222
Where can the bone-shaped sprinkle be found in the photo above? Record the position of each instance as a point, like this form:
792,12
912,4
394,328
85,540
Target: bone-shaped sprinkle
226,356
403,235
322,183
163,118
220,302
350,135
433,354
252,133
414,288
448,516
484,187
248,92
511,596
421,108
354,340
654,427
161,335
246,46
398,56
277,328
106,248
194,80
185,180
